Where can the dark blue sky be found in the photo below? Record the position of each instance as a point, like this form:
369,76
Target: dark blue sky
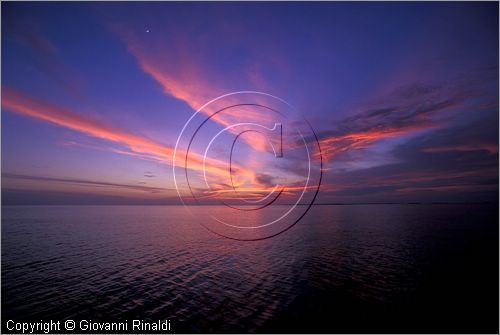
403,96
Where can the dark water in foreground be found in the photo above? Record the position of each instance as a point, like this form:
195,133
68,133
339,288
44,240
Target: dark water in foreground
357,268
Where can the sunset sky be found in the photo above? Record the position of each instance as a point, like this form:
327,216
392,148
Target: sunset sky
402,96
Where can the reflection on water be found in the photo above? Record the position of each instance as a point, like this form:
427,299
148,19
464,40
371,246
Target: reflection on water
404,268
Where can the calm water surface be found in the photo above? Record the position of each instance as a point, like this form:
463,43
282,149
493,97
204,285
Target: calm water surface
376,268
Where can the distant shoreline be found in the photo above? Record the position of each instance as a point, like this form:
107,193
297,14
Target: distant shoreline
322,204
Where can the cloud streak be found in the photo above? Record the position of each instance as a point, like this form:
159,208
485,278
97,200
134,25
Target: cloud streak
86,182
21,103
185,77
26,32
409,109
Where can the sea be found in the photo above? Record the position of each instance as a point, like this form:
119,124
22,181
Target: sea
425,268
